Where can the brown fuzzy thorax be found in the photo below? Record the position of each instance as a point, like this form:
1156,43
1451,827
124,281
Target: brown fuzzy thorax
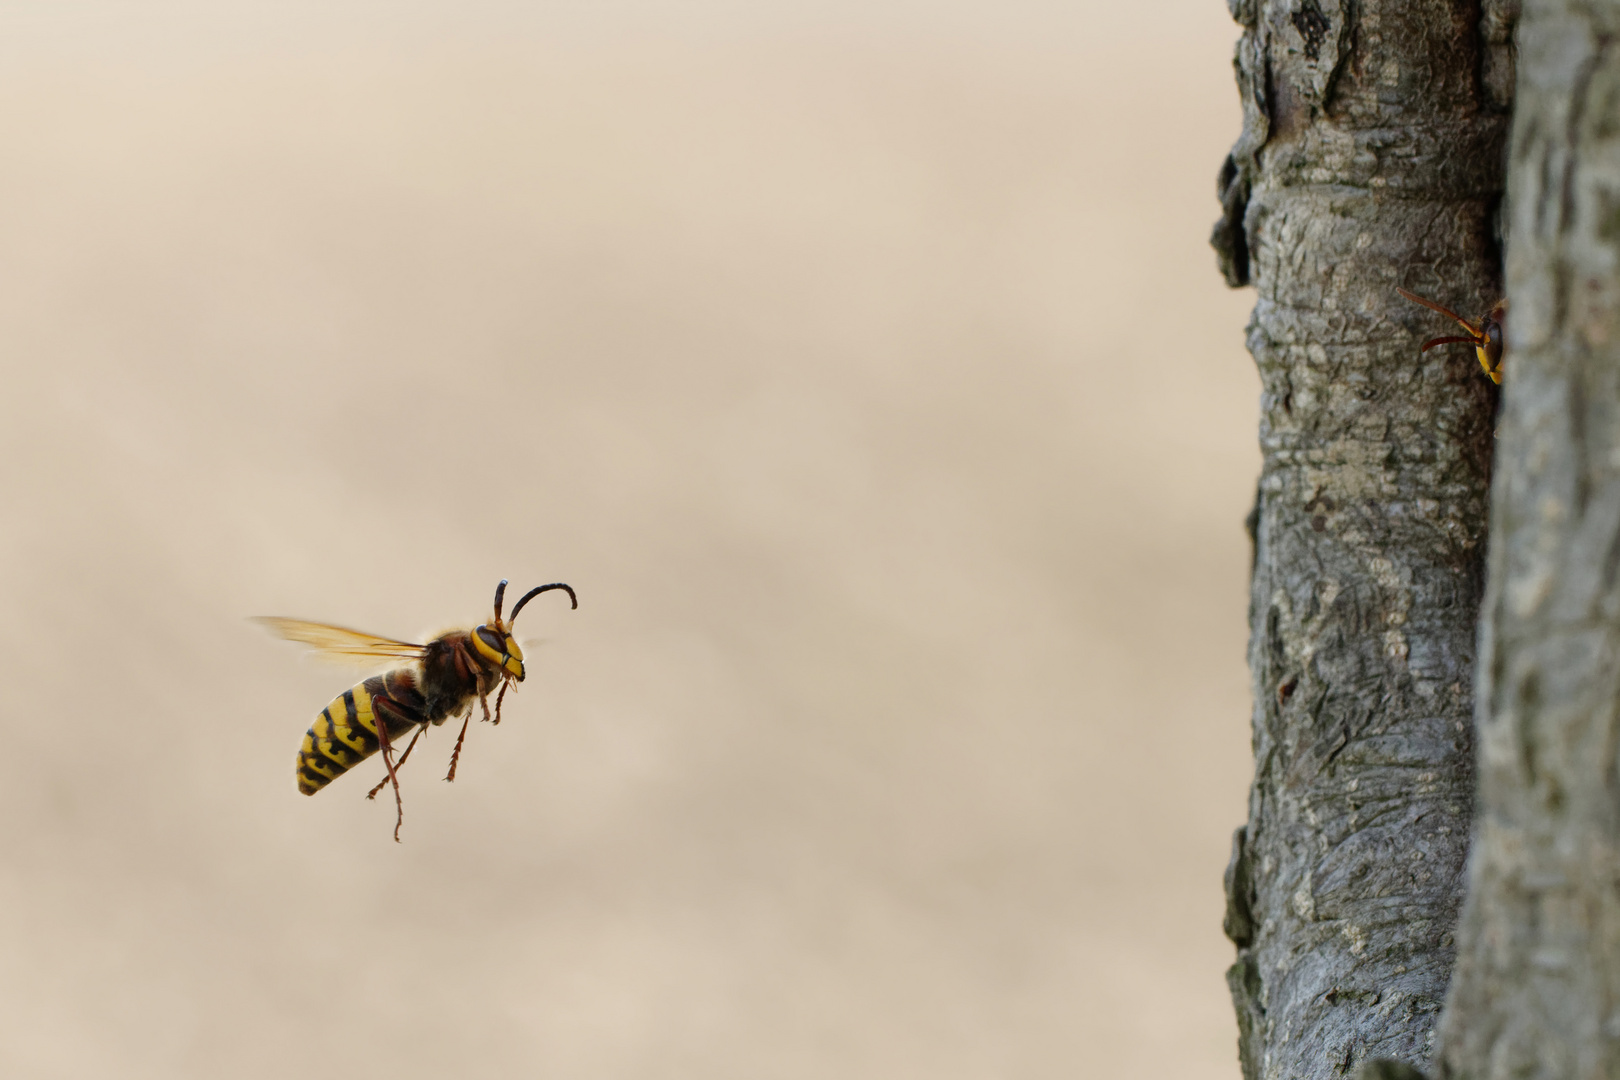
453,673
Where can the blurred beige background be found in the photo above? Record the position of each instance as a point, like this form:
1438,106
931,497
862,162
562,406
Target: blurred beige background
862,365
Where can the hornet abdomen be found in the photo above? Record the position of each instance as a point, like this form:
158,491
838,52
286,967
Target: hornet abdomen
345,733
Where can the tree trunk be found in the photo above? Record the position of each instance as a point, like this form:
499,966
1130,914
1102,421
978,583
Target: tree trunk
1371,157
1537,988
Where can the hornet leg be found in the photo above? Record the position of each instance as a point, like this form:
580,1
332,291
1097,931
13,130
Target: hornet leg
383,708
400,764
471,667
455,755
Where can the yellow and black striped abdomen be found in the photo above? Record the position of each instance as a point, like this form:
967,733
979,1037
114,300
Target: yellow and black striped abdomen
345,733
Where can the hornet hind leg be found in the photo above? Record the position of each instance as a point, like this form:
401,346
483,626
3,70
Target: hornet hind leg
392,712
400,764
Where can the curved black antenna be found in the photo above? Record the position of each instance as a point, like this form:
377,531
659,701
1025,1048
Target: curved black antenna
500,591
536,591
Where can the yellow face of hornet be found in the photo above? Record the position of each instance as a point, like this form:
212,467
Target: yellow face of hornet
497,645
1485,335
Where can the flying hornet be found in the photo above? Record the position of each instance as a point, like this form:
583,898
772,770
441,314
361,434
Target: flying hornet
443,680
1485,336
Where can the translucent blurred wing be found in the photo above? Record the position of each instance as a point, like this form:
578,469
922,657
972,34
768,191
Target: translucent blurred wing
339,642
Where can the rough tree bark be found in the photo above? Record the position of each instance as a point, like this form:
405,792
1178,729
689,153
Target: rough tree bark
1537,987
1371,156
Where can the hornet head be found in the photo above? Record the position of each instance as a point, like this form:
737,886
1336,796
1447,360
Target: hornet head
494,640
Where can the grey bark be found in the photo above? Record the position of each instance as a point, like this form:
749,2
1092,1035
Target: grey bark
1371,156
1537,985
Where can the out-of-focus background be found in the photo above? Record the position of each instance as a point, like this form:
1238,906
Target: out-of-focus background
864,367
